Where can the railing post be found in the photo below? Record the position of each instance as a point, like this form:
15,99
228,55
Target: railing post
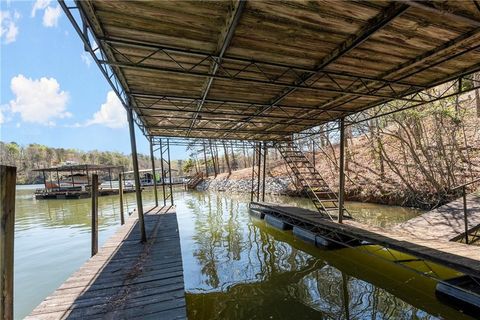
94,192
341,185
465,218
7,236
120,194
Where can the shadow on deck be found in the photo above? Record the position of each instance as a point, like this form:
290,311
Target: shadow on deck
126,279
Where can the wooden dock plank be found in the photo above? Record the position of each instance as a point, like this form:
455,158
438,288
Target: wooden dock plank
458,256
445,222
126,279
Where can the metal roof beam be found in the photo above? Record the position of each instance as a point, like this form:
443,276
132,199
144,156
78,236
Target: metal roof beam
462,41
226,102
257,63
299,122
225,39
378,22
211,129
362,92
267,116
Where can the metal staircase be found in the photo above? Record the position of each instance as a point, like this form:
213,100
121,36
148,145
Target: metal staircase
193,182
310,181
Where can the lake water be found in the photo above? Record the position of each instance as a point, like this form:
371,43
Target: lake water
235,266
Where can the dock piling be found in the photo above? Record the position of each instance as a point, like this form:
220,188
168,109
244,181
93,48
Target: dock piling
7,221
94,214
120,193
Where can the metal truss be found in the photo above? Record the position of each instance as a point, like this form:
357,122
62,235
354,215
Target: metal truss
257,190
264,72
343,238
197,142
92,45
461,85
163,146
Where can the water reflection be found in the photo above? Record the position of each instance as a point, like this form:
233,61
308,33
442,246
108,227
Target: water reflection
237,267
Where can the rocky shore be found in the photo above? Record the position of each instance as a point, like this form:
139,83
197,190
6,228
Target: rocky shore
273,185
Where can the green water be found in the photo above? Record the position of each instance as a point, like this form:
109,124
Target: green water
235,266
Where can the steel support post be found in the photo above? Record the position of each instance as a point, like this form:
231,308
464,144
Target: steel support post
169,172
259,166
341,188
163,174
136,174
252,188
264,170
154,173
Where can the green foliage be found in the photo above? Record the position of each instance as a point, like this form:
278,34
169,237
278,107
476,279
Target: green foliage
188,165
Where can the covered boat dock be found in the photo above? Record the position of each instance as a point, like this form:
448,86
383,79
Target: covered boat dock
72,181
271,73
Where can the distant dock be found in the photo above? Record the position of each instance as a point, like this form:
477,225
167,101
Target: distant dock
126,279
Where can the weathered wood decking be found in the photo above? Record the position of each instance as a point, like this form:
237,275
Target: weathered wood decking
458,256
445,222
126,279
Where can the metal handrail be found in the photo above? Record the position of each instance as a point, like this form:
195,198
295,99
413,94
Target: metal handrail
465,184
464,196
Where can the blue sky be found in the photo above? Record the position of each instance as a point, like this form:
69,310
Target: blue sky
51,91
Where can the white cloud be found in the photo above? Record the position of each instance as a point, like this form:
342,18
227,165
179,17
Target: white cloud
38,100
2,119
39,5
51,15
85,56
8,25
112,114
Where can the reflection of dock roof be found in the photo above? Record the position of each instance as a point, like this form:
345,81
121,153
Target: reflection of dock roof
80,167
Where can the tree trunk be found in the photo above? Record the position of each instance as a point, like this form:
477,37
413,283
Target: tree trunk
227,161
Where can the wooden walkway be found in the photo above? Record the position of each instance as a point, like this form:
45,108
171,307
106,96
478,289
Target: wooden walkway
458,256
126,279
445,222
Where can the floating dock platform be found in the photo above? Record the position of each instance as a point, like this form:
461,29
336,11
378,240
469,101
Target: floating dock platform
462,291
126,279
42,194
455,255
